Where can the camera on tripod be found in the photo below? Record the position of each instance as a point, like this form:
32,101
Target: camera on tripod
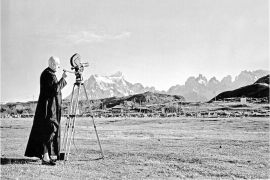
75,62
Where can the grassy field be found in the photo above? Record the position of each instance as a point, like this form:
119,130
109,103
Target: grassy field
147,148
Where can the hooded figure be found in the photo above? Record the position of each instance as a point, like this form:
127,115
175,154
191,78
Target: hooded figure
44,139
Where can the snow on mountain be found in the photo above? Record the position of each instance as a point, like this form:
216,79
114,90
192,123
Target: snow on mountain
195,89
115,85
202,80
103,79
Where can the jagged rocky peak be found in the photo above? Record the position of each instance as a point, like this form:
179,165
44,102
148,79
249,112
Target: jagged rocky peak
117,74
261,72
91,77
243,73
200,76
214,80
227,79
192,81
201,79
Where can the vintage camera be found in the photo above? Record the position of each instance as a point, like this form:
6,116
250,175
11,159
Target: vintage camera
75,62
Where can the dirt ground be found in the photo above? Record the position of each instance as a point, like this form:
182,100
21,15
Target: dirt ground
147,148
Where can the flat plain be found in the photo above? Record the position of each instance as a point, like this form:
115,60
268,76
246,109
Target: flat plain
147,148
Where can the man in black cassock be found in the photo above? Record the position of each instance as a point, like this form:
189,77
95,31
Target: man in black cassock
44,139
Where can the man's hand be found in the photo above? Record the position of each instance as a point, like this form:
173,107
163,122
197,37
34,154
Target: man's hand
64,75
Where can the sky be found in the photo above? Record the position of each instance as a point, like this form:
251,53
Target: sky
156,43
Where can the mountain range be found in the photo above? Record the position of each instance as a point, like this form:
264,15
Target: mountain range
200,89
259,89
194,89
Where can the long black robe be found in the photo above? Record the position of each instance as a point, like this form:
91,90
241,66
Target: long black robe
47,115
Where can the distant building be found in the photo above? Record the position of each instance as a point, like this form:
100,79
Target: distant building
118,109
243,100
141,109
163,110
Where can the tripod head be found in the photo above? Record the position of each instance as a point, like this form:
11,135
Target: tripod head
77,66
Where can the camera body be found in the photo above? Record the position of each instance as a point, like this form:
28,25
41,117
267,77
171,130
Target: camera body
77,66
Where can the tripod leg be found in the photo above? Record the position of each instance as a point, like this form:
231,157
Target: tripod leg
68,122
65,133
73,122
69,137
71,102
94,123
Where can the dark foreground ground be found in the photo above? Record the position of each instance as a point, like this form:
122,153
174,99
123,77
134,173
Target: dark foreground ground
165,148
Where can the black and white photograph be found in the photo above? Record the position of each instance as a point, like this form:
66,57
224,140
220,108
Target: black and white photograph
135,89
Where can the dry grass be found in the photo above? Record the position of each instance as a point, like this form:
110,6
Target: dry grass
165,148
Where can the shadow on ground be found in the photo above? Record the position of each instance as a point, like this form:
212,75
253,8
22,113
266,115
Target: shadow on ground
5,161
